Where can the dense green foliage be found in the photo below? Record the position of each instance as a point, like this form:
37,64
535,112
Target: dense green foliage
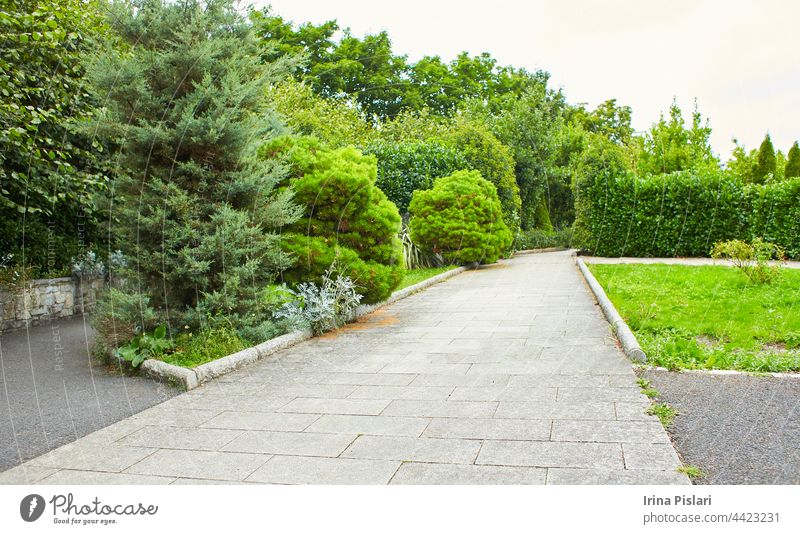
533,239
335,122
484,153
197,211
792,169
765,164
460,218
345,217
681,214
669,146
707,317
384,83
405,167
49,169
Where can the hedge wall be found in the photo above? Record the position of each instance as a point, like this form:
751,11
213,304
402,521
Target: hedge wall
683,214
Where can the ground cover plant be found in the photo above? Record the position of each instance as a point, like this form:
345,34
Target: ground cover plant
708,317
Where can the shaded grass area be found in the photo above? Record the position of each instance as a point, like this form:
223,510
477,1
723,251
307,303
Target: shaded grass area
708,317
415,276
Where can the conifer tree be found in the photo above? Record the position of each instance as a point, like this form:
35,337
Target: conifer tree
198,212
765,165
793,163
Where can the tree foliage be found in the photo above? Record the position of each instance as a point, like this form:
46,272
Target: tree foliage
669,146
461,219
765,162
335,122
197,211
49,169
409,166
792,169
346,217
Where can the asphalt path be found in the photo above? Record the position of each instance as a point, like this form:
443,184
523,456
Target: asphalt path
53,392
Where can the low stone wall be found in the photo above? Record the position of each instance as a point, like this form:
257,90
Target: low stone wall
37,301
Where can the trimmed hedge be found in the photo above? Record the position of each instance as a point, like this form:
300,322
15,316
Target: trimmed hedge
683,213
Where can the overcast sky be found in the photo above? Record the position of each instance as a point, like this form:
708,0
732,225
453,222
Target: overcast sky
740,60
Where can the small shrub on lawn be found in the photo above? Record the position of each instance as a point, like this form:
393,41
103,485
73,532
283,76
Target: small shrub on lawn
461,219
753,259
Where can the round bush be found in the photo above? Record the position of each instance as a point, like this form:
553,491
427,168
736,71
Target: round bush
345,217
461,219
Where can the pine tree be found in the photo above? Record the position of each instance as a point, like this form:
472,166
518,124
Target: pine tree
793,163
765,165
198,211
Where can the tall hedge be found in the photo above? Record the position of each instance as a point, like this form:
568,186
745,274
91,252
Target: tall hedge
345,217
683,213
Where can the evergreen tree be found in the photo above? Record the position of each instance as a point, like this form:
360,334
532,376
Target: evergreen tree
198,209
765,165
793,163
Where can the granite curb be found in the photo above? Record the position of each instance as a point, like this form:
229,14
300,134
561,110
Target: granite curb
621,329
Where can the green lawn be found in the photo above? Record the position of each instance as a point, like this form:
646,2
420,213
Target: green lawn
688,317
415,276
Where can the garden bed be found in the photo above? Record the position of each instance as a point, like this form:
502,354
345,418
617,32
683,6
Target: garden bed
191,370
707,317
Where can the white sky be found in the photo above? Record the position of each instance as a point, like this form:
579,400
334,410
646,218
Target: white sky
741,60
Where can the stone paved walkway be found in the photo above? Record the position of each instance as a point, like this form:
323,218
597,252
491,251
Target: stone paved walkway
507,374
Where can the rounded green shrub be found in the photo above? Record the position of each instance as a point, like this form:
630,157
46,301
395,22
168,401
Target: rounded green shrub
460,218
345,217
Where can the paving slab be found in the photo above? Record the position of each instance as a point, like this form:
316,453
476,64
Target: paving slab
453,474
507,374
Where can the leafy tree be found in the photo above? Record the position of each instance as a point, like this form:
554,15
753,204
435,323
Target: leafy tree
336,122
765,163
608,119
742,162
792,169
49,170
346,218
198,211
383,83
461,219
670,146
527,125
484,153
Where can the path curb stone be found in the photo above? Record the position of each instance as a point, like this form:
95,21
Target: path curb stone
623,332
191,378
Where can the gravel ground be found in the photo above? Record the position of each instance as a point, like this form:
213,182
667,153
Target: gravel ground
739,429
53,392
